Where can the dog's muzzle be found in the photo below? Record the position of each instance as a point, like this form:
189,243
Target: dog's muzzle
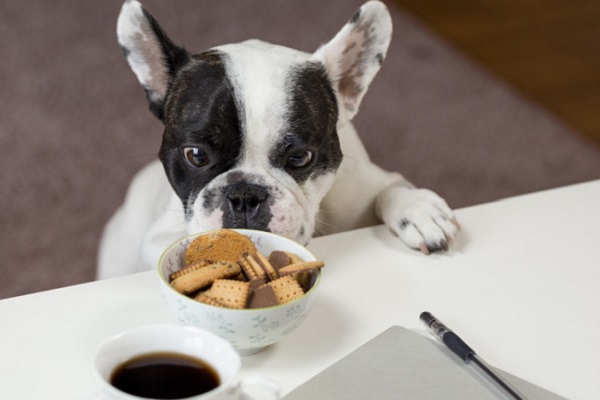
246,205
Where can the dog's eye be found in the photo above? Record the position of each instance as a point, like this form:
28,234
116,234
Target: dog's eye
298,159
195,156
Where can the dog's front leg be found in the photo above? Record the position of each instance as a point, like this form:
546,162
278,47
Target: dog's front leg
420,217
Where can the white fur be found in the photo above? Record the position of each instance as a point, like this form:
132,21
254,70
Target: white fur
361,194
366,39
258,71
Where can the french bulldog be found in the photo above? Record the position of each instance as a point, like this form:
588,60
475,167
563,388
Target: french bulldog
259,136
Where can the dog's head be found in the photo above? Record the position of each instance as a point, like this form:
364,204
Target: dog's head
250,137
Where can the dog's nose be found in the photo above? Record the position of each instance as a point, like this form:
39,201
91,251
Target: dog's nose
245,201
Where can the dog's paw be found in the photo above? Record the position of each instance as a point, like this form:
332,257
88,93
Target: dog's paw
421,218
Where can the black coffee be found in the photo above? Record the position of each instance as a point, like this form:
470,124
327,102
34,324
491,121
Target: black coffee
165,376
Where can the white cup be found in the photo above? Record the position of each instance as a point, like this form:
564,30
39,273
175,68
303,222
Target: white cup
189,341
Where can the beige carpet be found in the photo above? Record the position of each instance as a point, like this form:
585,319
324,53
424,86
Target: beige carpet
74,125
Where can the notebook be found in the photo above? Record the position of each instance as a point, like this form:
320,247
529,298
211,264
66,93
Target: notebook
402,364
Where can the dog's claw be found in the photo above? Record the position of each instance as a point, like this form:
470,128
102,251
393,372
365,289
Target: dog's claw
423,219
444,245
427,249
456,223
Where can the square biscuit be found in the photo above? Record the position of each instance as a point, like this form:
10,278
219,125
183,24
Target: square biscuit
286,289
230,293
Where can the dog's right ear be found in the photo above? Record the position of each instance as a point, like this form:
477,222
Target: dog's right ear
353,57
151,54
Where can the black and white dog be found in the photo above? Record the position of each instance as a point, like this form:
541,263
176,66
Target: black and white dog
259,136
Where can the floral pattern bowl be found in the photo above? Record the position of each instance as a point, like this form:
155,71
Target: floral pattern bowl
248,330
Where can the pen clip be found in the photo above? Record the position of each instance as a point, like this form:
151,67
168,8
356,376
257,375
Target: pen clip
449,338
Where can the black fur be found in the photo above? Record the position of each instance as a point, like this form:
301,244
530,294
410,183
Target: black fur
356,16
312,117
200,111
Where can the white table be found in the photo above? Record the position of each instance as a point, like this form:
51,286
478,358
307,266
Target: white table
522,286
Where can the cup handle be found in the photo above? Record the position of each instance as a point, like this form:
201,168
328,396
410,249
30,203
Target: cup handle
263,387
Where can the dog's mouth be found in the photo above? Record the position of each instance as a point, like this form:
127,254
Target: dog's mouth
250,205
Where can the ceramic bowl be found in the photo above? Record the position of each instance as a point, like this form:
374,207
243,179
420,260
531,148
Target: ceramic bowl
249,330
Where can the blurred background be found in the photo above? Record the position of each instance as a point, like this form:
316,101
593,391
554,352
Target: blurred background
546,49
477,100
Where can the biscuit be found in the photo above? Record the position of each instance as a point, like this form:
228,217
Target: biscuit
304,279
262,266
230,293
302,272
286,289
247,269
206,299
239,277
262,297
225,269
221,245
200,278
303,266
256,283
253,270
279,258
186,269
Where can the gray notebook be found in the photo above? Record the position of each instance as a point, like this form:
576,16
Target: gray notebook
401,364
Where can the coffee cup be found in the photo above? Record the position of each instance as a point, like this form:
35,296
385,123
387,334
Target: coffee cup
168,361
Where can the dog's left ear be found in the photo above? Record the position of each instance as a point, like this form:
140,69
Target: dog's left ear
151,54
353,57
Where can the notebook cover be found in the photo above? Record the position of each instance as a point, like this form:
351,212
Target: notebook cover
400,363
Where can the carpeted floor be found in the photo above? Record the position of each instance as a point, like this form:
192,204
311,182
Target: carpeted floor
74,125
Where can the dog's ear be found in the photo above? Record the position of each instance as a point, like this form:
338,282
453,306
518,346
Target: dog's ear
355,54
151,54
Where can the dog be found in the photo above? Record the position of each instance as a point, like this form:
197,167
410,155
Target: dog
259,136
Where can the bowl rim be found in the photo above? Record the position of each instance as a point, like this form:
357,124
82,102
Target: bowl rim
242,231
175,332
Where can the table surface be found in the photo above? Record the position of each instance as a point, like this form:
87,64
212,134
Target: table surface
521,286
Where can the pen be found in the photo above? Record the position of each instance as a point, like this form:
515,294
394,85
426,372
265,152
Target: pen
461,349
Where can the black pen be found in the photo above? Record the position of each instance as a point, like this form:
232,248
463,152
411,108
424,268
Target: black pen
461,349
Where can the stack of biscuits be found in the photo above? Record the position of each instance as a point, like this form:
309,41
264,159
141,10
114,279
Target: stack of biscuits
224,269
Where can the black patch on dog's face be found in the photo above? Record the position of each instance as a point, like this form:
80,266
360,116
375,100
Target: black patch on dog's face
312,118
200,113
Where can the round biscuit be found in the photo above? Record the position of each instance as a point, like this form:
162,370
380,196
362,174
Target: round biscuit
220,245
